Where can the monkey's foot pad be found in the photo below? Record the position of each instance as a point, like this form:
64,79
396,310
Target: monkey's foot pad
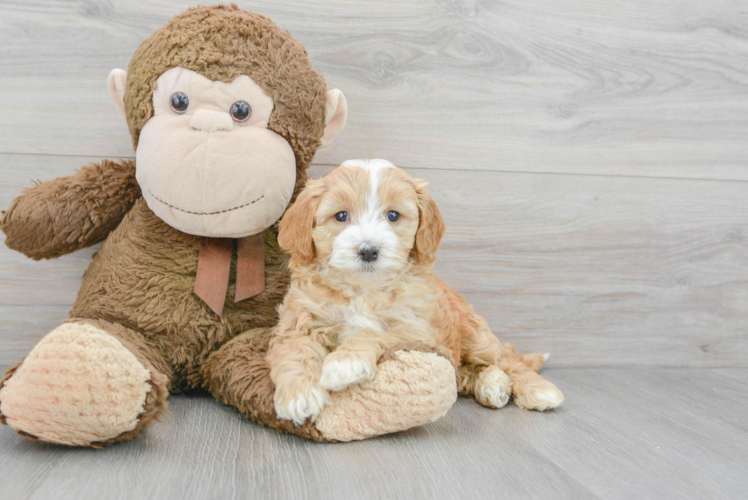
78,385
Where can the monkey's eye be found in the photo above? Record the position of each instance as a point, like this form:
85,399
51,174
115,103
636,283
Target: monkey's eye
341,216
241,111
393,216
180,102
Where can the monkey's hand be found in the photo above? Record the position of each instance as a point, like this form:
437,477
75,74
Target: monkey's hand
66,214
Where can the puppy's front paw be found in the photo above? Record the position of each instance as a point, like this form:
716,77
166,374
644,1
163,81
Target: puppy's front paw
301,405
339,373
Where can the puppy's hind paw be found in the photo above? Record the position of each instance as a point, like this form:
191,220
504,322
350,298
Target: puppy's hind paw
337,374
540,396
302,406
547,400
493,387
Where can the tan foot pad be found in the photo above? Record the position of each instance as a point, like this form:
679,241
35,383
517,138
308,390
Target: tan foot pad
77,386
412,389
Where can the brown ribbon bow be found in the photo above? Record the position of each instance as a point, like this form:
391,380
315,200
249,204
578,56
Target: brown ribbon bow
214,267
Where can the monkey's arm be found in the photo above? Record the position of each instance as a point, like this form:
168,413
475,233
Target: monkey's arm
66,214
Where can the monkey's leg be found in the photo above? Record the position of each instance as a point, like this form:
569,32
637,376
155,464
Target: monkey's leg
86,383
413,386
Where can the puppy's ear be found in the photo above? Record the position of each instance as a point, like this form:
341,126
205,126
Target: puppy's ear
295,234
430,225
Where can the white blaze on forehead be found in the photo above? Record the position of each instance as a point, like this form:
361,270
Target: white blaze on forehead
374,167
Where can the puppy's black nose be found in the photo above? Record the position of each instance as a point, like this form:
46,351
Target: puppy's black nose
368,253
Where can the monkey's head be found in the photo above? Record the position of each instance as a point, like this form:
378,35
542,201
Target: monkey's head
226,113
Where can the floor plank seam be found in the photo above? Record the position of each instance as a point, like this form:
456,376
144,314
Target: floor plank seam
447,169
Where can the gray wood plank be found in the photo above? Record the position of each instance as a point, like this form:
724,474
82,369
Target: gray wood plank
650,433
600,271
566,86
622,433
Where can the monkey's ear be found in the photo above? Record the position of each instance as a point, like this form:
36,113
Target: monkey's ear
336,112
117,83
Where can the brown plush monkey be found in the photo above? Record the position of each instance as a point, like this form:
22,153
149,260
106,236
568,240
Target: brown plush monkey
226,113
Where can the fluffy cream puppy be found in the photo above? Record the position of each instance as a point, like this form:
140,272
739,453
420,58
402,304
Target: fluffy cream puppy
363,242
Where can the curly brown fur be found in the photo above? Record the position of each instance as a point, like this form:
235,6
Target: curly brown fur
143,278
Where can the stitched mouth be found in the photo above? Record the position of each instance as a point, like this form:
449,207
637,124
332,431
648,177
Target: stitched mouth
204,213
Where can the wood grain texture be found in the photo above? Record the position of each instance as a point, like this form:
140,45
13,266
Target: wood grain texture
622,433
589,158
600,271
571,86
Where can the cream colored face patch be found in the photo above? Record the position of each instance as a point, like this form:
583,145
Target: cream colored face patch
207,169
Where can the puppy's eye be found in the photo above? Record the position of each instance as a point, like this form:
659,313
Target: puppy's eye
341,216
393,216
180,102
241,111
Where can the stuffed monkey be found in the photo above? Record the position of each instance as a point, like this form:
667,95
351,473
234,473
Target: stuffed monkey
226,113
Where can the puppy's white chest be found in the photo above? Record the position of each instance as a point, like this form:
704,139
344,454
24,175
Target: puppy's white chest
359,316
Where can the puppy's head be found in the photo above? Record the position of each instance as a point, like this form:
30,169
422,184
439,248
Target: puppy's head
367,218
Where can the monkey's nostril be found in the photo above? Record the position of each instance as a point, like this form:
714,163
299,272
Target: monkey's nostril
368,253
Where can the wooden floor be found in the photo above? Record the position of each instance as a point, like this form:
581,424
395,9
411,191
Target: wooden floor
623,433
591,161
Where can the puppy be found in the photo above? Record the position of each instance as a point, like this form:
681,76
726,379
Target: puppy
362,242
